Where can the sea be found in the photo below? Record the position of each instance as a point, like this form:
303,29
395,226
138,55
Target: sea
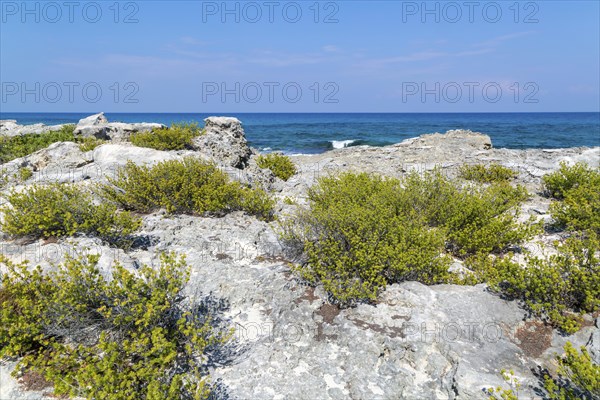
311,133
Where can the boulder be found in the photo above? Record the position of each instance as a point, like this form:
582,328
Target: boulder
8,125
225,142
454,138
11,128
120,132
65,155
120,154
97,126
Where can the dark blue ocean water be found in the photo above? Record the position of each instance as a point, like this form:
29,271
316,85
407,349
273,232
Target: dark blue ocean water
315,133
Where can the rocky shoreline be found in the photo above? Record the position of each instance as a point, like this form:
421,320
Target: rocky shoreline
418,341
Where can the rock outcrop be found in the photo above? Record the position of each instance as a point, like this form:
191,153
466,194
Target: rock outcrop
426,342
98,126
224,140
9,127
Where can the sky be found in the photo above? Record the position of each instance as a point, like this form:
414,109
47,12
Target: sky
303,56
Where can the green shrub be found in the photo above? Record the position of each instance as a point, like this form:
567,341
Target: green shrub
89,143
23,145
476,219
63,210
356,240
580,210
133,336
558,183
484,220
362,232
190,186
279,164
486,174
177,137
578,189
557,288
24,174
506,394
579,376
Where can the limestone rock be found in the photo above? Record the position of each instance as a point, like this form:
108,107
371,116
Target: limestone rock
98,126
11,128
224,141
8,125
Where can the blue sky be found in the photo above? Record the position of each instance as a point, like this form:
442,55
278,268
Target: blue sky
305,56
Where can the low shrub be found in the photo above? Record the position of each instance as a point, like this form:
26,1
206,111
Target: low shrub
21,175
189,186
356,240
558,183
487,174
578,190
58,210
89,143
475,219
20,146
580,210
362,232
133,336
578,379
279,164
558,288
579,376
485,220
177,137
498,393
24,173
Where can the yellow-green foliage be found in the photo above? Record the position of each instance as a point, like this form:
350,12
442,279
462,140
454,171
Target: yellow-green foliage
558,183
577,189
556,288
362,232
486,174
129,337
189,186
23,145
475,219
63,210
24,174
177,137
89,143
357,239
279,164
579,376
512,393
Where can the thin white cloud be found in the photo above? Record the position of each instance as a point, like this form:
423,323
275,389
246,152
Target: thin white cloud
421,56
501,39
331,49
192,41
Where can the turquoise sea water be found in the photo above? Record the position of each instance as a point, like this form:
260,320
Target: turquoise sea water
315,133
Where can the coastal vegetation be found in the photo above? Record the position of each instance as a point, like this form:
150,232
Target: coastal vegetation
12,147
576,191
132,336
486,173
57,210
361,232
558,288
578,378
281,165
178,137
188,186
